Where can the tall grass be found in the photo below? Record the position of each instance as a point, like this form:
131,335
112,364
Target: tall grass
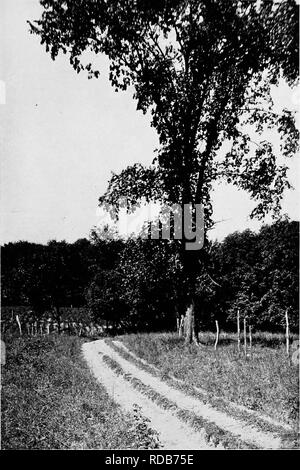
50,400
267,381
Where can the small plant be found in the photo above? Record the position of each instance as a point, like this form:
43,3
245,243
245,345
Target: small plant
145,437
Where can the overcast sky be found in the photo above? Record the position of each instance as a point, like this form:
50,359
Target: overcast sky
62,135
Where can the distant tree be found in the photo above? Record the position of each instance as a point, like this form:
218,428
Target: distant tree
104,294
51,276
22,275
279,248
105,299
203,68
259,275
151,282
238,266
108,245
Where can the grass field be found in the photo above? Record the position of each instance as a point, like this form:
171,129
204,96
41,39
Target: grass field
266,382
50,400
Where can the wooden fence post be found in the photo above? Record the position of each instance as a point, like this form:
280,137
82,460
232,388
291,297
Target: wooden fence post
181,327
19,324
250,338
287,333
217,335
245,336
3,326
238,330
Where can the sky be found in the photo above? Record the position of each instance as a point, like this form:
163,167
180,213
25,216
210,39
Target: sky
62,135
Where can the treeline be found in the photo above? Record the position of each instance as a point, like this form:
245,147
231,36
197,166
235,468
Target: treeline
137,285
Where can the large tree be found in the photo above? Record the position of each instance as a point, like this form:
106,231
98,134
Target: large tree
203,69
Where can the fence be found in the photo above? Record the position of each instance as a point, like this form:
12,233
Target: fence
46,327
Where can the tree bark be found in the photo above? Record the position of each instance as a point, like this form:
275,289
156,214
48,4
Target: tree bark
190,261
191,333
196,333
19,324
181,326
189,324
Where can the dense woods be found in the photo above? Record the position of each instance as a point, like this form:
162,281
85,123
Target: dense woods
136,284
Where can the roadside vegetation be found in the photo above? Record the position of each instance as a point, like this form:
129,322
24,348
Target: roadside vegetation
267,381
50,400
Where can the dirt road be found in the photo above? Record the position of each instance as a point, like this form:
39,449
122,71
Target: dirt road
174,433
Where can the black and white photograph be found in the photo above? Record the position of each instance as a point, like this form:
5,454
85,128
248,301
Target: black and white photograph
150,214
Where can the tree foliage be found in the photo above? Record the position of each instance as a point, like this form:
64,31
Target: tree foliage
259,275
203,68
53,275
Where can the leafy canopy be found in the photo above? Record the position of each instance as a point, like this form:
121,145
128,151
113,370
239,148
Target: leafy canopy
204,70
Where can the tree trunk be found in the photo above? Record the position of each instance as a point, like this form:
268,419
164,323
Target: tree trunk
19,324
190,260
191,334
196,332
189,324
181,326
